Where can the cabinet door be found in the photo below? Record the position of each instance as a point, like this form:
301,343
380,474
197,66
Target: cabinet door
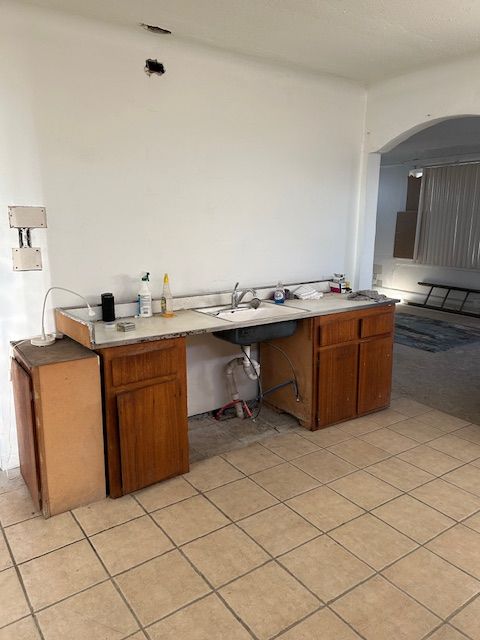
375,374
26,432
337,384
153,434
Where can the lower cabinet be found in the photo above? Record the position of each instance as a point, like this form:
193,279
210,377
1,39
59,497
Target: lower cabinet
343,363
145,407
58,410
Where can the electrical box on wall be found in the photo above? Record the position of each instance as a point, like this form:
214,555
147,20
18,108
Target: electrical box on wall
26,257
27,217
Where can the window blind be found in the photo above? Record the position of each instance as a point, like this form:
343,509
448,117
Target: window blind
449,217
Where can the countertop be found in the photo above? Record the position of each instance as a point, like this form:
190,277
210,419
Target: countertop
192,322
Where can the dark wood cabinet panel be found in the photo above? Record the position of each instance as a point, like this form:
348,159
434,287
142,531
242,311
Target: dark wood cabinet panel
153,441
375,374
337,384
145,411
352,354
337,328
26,431
376,325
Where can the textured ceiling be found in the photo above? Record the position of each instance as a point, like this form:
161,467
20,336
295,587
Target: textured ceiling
363,40
454,137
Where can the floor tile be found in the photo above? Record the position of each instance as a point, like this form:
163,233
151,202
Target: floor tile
327,436
467,477
387,417
107,513
212,473
430,460
208,619
289,446
278,529
325,567
24,629
379,611
443,421
400,474
322,625
357,426
413,518
98,613
468,620
5,557
389,440
161,586
285,481
189,519
165,493
16,506
365,490
446,632
409,407
65,571
461,547
447,498
416,430
37,536
269,600
224,555
323,465
456,447
129,544
14,604
433,582
473,522
471,433
241,498
358,452
324,508
11,480
252,458
373,541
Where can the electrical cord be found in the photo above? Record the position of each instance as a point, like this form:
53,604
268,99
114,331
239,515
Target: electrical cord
285,355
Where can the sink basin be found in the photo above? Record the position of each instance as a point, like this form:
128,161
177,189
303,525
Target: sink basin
255,332
244,313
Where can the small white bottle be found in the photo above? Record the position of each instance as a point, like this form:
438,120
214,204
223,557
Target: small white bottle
145,298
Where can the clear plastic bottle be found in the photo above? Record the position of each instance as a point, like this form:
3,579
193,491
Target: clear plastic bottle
279,294
145,298
167,298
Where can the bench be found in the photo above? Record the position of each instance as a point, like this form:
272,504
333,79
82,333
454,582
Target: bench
448,288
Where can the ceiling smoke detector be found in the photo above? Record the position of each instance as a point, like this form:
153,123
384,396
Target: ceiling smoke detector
154,29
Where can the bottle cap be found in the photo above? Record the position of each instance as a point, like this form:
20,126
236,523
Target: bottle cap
165,278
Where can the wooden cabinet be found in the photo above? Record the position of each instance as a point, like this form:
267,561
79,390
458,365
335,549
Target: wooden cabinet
145,413
343,363
59,424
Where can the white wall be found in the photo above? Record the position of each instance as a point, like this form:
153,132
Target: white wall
223,169
398,108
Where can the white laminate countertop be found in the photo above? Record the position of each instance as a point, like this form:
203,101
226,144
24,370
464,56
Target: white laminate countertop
190,322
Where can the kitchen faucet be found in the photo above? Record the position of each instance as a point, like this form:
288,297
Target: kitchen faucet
237,296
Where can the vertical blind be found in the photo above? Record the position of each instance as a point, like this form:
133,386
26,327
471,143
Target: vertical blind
448,231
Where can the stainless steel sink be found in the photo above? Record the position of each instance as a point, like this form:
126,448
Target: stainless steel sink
245,313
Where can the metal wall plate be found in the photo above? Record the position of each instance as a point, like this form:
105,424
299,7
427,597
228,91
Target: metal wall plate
27,259
27,217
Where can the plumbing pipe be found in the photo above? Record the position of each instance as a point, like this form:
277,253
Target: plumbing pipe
232,386
251,367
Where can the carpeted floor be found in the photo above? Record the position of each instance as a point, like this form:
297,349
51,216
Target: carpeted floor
431,334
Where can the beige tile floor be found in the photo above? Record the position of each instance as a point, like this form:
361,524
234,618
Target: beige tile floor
369,529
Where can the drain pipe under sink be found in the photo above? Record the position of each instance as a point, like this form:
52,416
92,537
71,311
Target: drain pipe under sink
251,368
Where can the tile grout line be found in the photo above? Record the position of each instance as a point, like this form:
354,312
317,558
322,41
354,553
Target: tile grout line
109,579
